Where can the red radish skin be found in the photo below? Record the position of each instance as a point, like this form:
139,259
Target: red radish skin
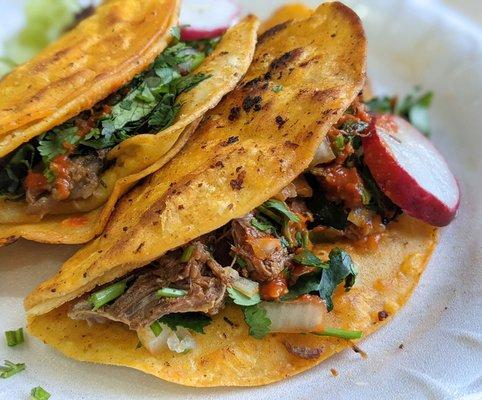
207,19
410,170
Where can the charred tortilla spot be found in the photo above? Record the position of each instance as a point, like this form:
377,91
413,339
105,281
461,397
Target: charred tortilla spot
307,353
272,32
125,228
285,59
291,145
237,184
280,121
234,114
139,248
218,164
180,207
382,315
252,102
230,140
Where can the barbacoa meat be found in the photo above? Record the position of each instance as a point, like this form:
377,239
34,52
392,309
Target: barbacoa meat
263,253
84,178
202,277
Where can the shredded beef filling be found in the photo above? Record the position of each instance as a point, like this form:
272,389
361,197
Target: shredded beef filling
202,277
270,245
264,254
82,177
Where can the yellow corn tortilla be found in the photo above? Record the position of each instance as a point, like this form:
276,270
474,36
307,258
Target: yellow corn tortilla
285,13
236,160
84,66
226,355
140,155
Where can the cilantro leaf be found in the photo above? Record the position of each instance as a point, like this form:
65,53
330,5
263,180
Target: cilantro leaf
305,284
263,224
176,32
191,320
282,208
306,257
257,320
56,142
325,212
341,269
241,299
13,171
413,107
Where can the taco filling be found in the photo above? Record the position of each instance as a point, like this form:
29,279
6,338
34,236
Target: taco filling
66,163
264,261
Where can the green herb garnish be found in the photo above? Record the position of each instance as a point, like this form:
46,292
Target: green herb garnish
191,320
170,292
257,320
306,257
340,333
241,299
39,393
414,107
14,337
156,328
341,269
187,254
277,88
10,369
106,295
280,207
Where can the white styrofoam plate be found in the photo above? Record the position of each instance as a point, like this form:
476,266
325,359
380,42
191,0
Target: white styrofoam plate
411,42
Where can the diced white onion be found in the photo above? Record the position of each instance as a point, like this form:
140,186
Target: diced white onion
361,217
246,286
324,154
178,341
295,316
181,340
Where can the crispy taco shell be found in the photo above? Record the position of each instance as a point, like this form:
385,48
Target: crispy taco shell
80,220
227,356
240,156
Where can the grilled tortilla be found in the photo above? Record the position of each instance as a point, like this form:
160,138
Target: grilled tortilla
77,220
245,151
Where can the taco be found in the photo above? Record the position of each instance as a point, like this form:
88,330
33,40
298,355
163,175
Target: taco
264,247
107,104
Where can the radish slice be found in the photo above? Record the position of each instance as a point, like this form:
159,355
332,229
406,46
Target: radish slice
206,19
410,170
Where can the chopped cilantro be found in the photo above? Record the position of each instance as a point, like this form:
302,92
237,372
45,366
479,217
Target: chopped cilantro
263,224
341,269
156,328
147,104
191,320
14,169
413,107
306,257
277,88
241,299
257,320
176,32
282,208
325,212
305,284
